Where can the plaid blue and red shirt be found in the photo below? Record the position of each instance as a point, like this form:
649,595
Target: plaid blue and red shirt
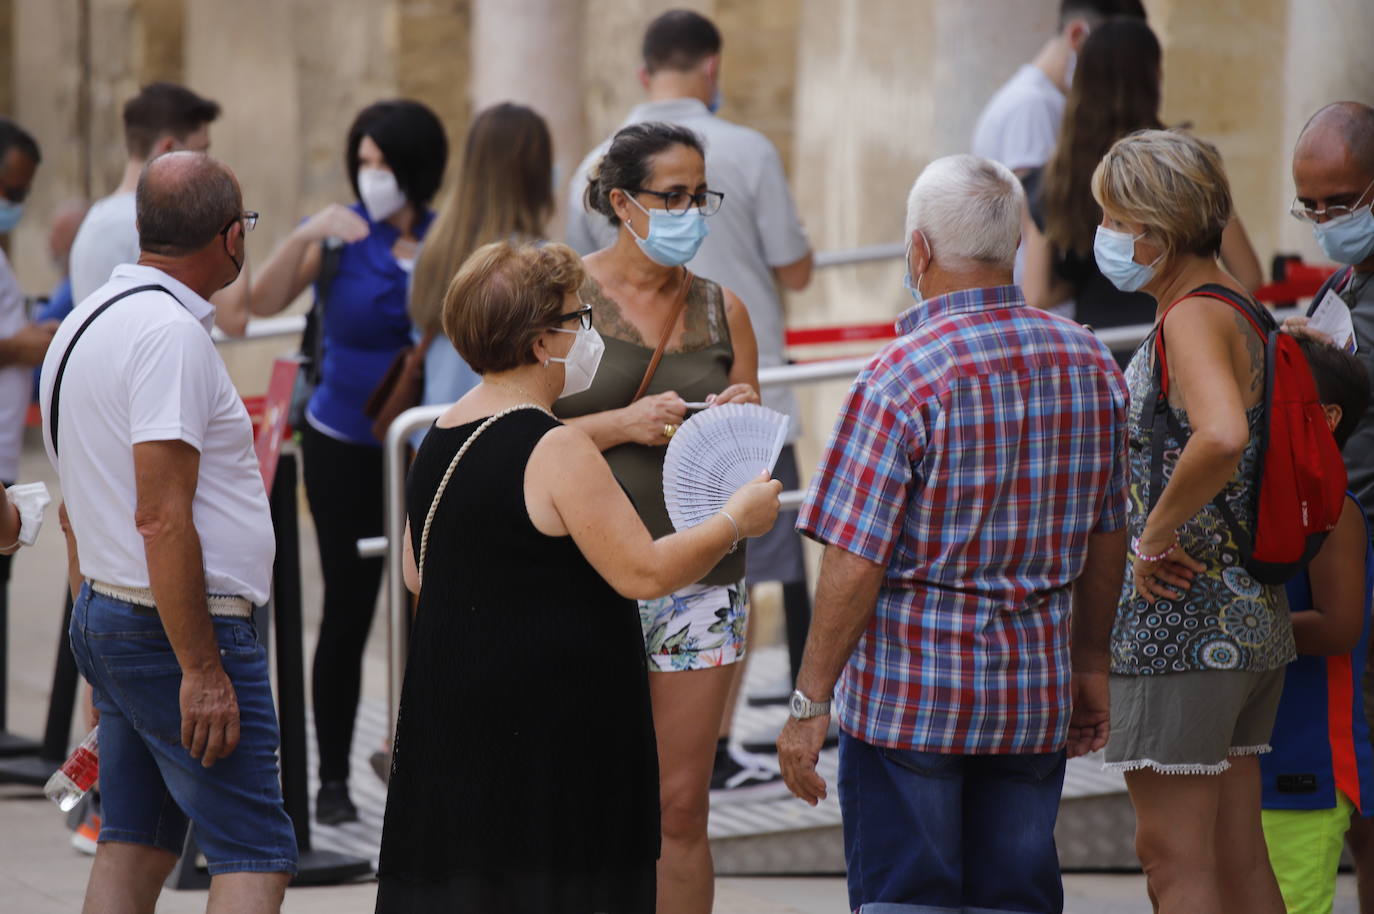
973,458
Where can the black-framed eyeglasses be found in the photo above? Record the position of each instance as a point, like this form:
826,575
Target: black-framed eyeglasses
248,217
584,315
678,202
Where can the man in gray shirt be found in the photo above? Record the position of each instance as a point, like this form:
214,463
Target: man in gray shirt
756,244
1333,173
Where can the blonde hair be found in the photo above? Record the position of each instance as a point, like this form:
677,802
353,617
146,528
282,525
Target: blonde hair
504,191
504,297
1171,183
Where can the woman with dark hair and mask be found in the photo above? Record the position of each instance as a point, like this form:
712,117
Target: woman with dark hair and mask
651,184
395,156
1116,91
526,664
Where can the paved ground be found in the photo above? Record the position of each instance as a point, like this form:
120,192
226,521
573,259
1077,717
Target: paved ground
41,874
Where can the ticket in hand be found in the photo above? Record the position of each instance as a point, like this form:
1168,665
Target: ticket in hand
1332,317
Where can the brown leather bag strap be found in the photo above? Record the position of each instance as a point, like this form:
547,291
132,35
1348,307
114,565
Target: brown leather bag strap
683,291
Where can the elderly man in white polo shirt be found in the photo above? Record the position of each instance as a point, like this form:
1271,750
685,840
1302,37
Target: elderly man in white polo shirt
154,450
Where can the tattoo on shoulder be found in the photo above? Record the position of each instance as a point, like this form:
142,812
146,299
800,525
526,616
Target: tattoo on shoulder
1254,347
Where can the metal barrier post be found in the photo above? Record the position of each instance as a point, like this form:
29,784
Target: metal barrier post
397,599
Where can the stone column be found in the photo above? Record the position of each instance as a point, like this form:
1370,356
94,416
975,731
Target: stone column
529,52
1224,75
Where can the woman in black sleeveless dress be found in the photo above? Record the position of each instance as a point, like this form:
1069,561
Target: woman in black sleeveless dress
526,661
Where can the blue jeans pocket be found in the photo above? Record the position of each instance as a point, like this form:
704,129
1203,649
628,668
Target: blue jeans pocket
926,764
147,686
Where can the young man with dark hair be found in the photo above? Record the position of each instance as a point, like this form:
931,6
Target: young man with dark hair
163,117
756,244
1020,123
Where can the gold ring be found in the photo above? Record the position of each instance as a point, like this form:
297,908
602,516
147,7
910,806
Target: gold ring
669,430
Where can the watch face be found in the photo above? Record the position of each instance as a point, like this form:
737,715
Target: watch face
798,704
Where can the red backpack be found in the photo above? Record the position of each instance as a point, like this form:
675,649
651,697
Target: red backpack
1301,477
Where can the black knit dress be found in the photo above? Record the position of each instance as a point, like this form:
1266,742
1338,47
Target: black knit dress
525,776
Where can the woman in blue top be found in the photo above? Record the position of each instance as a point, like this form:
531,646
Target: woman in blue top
504,192
395,158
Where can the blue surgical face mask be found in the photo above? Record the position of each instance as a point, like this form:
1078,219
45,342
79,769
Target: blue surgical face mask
714,104
913,287
1347,239
672,240
1115,255
10,214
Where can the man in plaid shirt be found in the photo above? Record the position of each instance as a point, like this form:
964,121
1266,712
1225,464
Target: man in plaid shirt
972,503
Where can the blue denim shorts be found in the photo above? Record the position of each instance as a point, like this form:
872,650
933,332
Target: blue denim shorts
929,833
149,785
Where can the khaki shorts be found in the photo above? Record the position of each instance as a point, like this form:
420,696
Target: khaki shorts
1191,723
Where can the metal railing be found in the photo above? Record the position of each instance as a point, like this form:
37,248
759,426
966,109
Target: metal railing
391,545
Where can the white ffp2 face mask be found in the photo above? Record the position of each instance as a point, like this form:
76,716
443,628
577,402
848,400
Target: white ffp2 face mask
582,360
380,193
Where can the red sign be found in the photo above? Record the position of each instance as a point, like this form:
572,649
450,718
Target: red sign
276,409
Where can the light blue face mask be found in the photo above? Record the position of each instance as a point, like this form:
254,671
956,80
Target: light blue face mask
714,104
1115,255
913,287
672,240
1347,239
10,214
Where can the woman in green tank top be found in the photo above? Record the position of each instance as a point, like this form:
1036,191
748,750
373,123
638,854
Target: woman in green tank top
652,184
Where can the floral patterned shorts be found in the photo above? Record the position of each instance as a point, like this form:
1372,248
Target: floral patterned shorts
695,628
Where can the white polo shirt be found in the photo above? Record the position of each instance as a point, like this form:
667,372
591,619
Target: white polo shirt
146,370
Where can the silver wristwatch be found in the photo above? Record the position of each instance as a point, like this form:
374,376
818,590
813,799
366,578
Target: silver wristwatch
803,708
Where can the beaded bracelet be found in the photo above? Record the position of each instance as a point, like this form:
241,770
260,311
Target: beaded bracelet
1135,547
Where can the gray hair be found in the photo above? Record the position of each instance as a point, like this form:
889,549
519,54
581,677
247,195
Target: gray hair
969,209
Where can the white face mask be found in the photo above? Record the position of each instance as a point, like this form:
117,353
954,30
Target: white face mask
380,193
581,361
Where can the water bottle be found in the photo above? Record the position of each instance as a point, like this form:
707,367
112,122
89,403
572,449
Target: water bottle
77,775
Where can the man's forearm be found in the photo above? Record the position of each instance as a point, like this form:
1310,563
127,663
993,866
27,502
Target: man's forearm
846,596
1095,597
176,574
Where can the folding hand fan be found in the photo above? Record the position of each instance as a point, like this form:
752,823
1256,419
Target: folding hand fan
714,453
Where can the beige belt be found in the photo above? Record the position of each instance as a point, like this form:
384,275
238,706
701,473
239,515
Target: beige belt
220,604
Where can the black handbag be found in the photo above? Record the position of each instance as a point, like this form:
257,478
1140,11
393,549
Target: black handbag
311,355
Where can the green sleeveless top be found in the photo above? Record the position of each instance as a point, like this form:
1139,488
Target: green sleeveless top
697,367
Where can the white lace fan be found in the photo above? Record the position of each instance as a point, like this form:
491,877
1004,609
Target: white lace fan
714,453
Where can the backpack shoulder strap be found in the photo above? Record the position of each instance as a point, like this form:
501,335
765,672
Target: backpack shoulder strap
1259,317
1336,281
56,399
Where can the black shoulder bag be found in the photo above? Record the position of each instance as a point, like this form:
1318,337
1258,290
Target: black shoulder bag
56,399
311,356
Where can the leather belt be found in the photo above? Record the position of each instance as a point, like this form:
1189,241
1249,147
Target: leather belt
220,604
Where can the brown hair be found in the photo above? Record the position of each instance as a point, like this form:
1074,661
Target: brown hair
1115,90
504,191
1171,183
161,108
504,296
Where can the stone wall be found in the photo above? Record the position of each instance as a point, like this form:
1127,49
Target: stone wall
857,94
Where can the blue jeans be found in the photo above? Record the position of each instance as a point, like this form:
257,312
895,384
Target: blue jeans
928,833
149,784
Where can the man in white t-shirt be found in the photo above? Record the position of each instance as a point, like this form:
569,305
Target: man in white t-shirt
162,117
154,450
756,245
1020,123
